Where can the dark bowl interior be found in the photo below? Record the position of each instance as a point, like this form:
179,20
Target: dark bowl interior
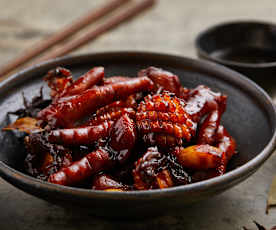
250,118
246,46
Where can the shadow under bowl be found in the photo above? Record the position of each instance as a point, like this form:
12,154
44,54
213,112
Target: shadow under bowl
250,117
245,46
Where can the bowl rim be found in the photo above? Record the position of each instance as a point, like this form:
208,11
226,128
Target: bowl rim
203,53
8,172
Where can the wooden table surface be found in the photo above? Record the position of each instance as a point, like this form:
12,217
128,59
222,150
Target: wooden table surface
170,27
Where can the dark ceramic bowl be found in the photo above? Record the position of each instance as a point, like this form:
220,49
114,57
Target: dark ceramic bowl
246,46
250,118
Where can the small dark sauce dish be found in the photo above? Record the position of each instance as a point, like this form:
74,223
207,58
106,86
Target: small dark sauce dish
246,46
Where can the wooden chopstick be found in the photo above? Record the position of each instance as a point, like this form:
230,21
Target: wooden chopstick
95,32
92,16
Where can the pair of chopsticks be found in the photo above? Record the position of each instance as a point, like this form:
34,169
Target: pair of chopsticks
89,35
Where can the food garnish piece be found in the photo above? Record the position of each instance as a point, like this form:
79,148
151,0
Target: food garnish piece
58,80
107,183
25,124
199,157
84,82
162,79
150,171
44,158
